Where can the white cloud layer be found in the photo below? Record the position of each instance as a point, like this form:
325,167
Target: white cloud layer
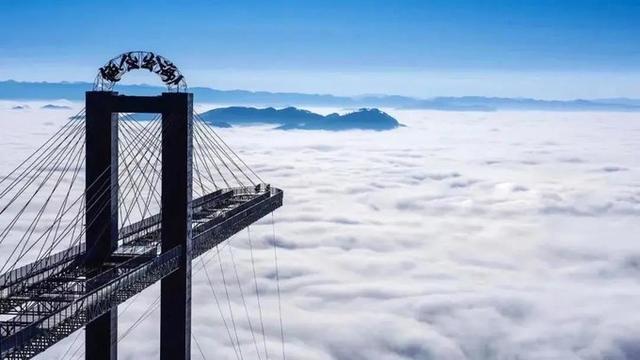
508,235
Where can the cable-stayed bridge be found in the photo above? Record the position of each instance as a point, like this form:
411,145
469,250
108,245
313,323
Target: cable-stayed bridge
112,204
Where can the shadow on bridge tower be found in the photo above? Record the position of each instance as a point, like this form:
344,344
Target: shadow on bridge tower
102,108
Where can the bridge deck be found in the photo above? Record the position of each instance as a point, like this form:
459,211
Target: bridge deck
47,300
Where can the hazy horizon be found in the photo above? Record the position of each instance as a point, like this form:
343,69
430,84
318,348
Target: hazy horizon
155,83
544,49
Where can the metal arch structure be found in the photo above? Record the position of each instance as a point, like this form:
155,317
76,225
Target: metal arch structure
113,71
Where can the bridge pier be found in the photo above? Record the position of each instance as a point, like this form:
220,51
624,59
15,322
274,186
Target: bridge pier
102,205
175,289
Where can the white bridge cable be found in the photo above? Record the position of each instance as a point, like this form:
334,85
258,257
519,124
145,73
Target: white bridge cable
35,171
255,282
204,189
219,149
100,191
143,151
226,290
216,146
71,157
27,235
100,195
275,258
210,149
27,164
244,302
201,150
214,135
195,339
49,162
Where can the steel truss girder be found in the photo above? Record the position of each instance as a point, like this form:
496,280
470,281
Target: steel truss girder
49,319
42,334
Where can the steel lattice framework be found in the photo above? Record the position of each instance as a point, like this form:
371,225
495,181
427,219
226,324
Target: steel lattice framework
51,296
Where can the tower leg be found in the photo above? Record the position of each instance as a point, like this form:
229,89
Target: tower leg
102,337
175,289
101,213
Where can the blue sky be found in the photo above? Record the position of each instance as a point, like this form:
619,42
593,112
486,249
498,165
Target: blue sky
543,48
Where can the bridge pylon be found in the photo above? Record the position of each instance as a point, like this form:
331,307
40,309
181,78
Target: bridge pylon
87,261
102,108
102,234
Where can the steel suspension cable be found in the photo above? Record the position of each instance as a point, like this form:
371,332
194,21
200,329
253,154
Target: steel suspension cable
206,129
43,148
31,173
203,150
77,154
149,142
64,156
215,152
275,257
218,148
226,290
255,282
215,134
131,178
244,302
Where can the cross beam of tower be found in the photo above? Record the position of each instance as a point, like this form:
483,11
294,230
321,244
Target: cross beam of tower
82,286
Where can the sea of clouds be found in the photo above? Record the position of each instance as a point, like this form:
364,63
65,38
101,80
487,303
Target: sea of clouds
506,235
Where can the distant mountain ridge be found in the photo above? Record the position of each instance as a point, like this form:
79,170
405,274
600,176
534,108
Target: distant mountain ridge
55,107
293,118
14,90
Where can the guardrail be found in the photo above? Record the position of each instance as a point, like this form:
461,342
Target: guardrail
29,273
211,234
